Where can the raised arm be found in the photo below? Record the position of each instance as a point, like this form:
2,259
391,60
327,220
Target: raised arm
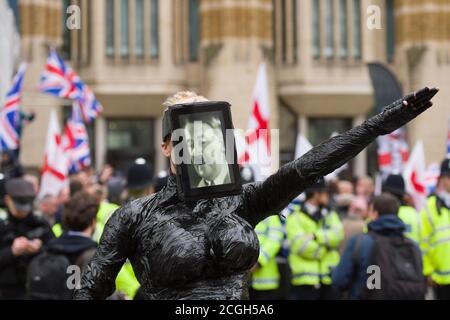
274,194
98,281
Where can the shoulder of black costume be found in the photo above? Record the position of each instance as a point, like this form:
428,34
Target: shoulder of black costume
134,211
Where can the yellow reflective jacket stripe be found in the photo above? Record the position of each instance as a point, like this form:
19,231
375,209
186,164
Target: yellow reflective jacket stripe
313,247
270,234
435,241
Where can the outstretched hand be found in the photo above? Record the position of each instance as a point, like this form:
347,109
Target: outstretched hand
406,109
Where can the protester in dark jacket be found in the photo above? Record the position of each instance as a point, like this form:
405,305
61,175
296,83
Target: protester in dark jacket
22,235
10,166
48,273
79,219
352,272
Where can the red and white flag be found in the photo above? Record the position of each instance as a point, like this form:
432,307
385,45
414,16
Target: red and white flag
56,162
415,176
393,152
431,177
257,152
302,146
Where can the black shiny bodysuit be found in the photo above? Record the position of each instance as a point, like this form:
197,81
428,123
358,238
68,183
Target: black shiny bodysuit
204,250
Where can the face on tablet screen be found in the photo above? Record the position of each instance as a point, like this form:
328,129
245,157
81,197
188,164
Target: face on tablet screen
206,147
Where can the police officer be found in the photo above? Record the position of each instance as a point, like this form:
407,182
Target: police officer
266,278
22,235
139,180
314,233
395,185
435,245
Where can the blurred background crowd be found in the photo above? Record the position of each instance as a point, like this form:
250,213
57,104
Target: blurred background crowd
308,252
102,69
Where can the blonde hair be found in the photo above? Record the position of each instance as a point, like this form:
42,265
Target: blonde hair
183,97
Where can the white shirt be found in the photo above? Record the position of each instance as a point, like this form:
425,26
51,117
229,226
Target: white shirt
222,178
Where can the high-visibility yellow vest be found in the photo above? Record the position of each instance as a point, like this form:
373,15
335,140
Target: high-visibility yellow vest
435,241
126,281
105,210
411,219
313,247
270,234
57,230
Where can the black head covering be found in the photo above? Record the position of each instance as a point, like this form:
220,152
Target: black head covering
445,167
394,184
318,186
139,175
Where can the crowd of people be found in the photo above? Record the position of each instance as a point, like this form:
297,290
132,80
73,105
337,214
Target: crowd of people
41,237
341,241
327,244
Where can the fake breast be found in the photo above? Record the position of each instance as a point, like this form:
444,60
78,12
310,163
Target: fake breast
234,244
191,245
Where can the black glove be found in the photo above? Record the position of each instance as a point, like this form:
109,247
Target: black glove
402,111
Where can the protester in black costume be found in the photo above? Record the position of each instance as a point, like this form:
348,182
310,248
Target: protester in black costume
204,250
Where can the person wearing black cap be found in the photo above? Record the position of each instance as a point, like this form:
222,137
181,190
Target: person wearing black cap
315,234
139,180
22,235
435,245
160,180
204,249
395,185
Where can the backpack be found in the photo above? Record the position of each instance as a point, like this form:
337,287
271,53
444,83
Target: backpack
47,277
400,265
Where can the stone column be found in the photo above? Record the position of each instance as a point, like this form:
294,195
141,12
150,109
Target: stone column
40,27
423,58
236,36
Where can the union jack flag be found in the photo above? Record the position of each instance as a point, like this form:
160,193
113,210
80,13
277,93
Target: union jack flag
76,142
393,152
61,81
10,113
58,79
89,106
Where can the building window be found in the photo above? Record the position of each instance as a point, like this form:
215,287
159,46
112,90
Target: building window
316,29
329,29
154,32
76,43
288,133
124,29
139,28
357,29
193,30
343,29
14,5
295,32
110,28
66,34
127,140
285,31
390,30
321,129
